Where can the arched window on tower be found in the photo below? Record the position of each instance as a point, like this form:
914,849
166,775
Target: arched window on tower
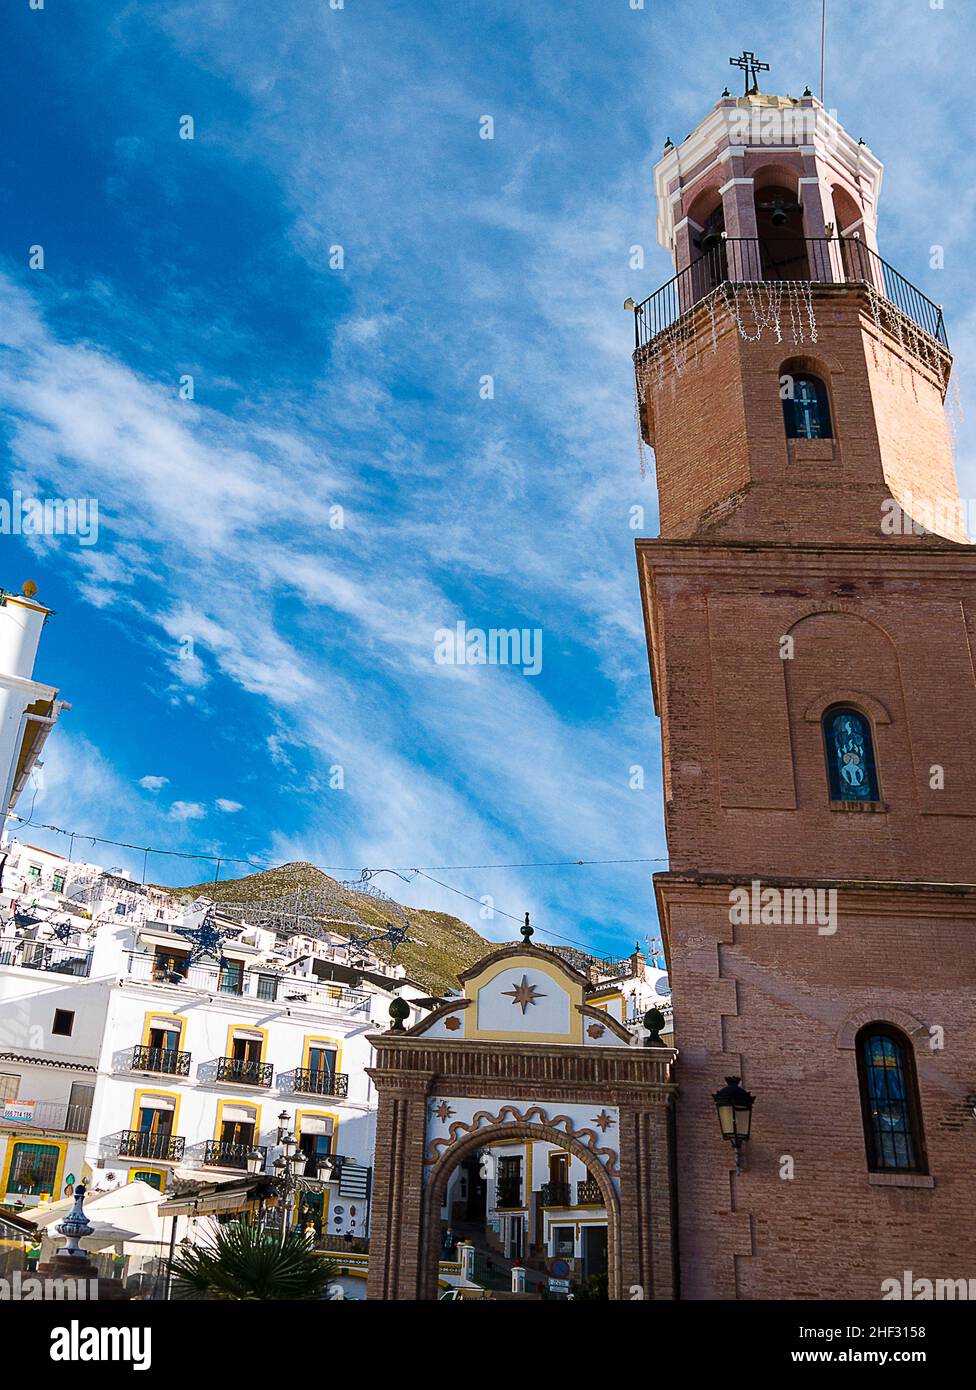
849,747
806,408
889,1100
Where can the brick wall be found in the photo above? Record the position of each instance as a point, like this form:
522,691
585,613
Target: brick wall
764,539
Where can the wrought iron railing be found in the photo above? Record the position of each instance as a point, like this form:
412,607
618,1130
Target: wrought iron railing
243,1072
165,1060
46,1115
221,1153
143,1143
508,1194
45,955
312,1082
811,260
588,1194
255,982
555,1194
486,1273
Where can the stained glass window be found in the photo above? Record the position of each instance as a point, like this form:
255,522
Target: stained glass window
888,1100
850,756
806,410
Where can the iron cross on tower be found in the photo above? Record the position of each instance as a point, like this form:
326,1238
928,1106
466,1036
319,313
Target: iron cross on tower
752,67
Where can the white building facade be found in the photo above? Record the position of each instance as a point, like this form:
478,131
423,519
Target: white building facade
128,1052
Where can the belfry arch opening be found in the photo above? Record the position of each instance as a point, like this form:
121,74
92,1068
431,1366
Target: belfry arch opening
520,1220
780,231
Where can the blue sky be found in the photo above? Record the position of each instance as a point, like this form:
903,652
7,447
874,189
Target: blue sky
359,387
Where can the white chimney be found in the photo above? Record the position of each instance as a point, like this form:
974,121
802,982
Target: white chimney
28,709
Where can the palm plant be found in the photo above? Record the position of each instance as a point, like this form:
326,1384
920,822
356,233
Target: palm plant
242,1262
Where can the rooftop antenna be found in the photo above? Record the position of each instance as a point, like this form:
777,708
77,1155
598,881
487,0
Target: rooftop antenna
823,55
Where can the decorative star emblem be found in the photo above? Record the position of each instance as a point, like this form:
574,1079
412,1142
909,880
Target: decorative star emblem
205,940
603,1121
523,994
452,1024
442,1110
596,1030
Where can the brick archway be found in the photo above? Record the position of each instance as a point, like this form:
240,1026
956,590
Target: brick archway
541,1090
483,1138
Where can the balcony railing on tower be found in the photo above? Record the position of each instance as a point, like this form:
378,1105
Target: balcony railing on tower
805,260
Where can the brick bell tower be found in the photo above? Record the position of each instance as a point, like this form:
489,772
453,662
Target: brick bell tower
810,607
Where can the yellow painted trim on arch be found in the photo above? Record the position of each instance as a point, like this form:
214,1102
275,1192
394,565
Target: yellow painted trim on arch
528,963
18,1137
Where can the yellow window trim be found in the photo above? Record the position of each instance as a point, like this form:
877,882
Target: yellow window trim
244,1105
247,1028
20,1138
156,1172
156,1091
311,1039
178,1019
319,1115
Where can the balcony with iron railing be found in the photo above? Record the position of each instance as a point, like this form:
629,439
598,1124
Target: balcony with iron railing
264,983
817,263
143,1143
50,1115
241,1071
508,1195
164,1061
310,1082
45,955
555,1194
222,1153
588,1194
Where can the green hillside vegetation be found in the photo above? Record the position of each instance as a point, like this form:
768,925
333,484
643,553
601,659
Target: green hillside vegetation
440,945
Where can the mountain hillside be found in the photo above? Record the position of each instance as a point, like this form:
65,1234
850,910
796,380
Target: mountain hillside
439,946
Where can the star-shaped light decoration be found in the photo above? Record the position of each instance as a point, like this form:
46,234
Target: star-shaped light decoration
603,1121
523,994
442,1110
396,936
205,940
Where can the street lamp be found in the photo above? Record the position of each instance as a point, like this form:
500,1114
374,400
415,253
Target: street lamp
255,1162
734,1105
288,1176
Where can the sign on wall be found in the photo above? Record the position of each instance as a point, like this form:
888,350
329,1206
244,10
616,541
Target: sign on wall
19,1112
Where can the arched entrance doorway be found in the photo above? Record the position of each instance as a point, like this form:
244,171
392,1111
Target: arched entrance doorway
523,1059
512,1134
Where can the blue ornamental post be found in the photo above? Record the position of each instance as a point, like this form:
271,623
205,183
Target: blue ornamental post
76,1225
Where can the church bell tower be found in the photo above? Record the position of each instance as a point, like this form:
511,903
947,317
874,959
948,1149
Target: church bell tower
810,607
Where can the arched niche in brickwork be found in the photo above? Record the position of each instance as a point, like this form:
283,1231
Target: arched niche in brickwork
882,1012
484,1138
845,695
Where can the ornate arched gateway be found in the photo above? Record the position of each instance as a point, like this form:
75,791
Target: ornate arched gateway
522,1056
